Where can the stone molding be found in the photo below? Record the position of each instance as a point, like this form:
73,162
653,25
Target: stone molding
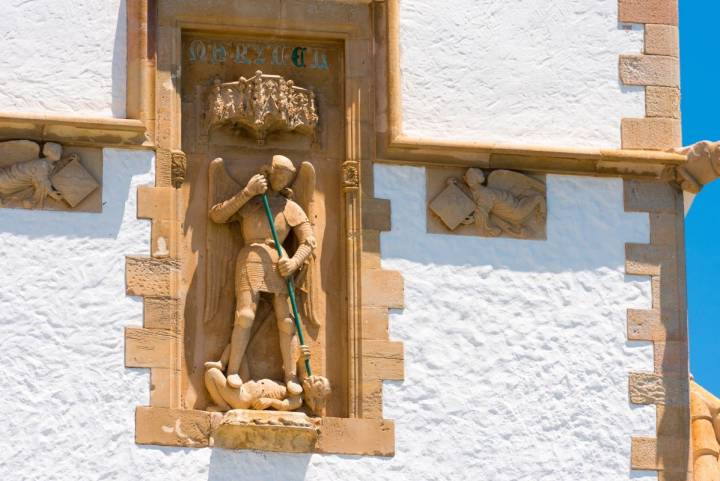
705,414
78,131
395,147
665,325
658,70
155,27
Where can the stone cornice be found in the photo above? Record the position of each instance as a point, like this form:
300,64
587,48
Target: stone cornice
81,131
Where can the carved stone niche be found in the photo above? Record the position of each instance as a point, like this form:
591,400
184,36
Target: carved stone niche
50,176
250,106
487,203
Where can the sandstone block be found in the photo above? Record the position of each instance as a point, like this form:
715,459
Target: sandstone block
290,432
662,40
373,437
383,360
150,277
376,214
149,347
172,427
670,390
650,196
383,288
651,134
649,11
657,70
662,102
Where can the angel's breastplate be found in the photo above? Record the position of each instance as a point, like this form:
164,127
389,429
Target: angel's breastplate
255,226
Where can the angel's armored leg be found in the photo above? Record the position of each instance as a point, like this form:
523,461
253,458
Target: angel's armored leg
245,310
288,343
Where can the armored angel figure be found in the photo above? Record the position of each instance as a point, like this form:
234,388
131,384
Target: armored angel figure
258,269
29,181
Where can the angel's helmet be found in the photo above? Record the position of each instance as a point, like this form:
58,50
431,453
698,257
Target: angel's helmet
474,177
316,391
282,172
52,151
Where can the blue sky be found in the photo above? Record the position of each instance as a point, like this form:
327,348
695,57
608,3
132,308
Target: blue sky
699,48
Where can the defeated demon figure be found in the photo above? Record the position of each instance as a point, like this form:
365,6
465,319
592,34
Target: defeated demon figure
265,393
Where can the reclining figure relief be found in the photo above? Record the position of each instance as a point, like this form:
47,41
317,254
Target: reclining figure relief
28,178
503,203
29,181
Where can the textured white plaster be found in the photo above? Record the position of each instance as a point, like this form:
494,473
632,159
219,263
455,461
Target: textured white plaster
516,352
64,57
531,72
516,357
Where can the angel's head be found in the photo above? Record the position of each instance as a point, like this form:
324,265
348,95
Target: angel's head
474,177
52,151
282,173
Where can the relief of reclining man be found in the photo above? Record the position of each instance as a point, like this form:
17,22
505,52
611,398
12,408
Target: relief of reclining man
503,203
29,181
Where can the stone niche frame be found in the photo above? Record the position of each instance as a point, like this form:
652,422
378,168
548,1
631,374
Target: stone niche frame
154,59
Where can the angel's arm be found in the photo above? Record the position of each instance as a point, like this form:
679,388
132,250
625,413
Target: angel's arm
307,243
306,239
222,212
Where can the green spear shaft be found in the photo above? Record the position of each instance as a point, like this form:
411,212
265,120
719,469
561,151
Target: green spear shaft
290,283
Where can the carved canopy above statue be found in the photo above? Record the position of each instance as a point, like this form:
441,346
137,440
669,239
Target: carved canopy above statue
261,105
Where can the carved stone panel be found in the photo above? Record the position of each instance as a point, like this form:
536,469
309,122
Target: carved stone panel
247,100
50,176
487,203
248,104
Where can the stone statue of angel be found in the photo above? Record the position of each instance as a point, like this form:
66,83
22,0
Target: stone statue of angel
257,268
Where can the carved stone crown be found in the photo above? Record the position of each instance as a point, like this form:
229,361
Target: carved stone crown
261,105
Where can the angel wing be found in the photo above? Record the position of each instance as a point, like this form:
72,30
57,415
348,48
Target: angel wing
303,194
304,187
222,240
15,151
517,184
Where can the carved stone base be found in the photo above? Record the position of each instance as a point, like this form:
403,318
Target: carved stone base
288,432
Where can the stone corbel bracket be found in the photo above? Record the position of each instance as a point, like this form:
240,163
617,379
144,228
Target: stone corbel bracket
702,166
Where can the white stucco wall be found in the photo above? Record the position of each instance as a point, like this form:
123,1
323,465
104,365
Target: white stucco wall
63,57
532,72
516,355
